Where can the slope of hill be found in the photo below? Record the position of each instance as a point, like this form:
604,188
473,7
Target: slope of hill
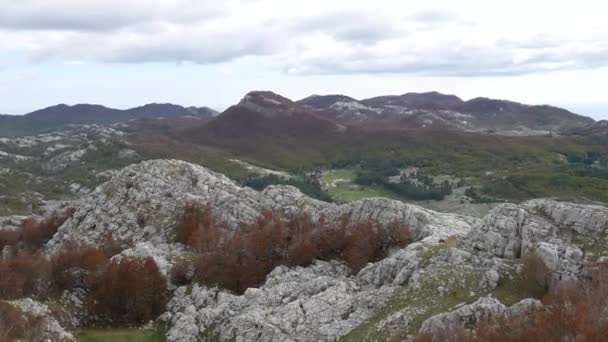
436,110
61,115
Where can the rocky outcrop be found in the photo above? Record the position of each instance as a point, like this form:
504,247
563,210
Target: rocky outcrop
484,308
49,329
317,303
453,255
142,204
561,233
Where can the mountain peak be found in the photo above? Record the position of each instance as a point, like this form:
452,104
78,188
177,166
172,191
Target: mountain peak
268,103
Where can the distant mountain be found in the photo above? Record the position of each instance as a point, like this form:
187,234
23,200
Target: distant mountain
597,129
436,110
61,115
266,113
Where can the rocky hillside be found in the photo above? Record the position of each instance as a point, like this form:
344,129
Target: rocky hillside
436,110
459,269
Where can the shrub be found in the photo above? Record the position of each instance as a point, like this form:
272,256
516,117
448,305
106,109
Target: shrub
9,238
536,275
197,228
75,267
571,312
15,326
33,234
24,275
37,233
129,291
244,259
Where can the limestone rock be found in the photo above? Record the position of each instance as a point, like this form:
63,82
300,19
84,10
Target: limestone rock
483,308
51,329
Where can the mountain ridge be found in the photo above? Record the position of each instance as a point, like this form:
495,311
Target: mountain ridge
61,115
411,110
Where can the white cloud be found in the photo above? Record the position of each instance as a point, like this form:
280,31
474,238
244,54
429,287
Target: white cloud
448,38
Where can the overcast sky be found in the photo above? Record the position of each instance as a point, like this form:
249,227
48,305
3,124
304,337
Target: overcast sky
210,53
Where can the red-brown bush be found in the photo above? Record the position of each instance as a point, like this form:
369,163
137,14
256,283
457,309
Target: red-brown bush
125,292
16,326
24,275
32,233
9,238
76,266
244,259
129,291
571,312
536,275
197,228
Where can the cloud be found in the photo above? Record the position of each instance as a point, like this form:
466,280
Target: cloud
437,37
100,15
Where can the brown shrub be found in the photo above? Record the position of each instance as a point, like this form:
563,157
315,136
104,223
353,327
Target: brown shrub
32,233
76,266
197,228
129,291
571,312
13,324
9,238
536,275
244,259
24,275
182,271
35,233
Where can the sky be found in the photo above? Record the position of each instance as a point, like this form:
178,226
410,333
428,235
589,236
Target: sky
211,53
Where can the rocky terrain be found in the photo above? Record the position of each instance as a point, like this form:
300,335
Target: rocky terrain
39,170
436,110
459,269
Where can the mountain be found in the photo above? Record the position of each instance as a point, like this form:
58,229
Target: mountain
436,110
264,114
61,115
322,113
597,129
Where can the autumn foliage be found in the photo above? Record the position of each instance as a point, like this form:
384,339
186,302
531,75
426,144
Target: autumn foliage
573,311
17,326
243,259
129,291
32,233
120,292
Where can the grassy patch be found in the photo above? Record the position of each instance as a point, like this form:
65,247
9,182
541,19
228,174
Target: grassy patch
120,335
512,288
433,251
416,304
594,248
339,184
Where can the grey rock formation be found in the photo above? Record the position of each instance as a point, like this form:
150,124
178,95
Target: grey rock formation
316,303
142,204
483,308
556,231
50,329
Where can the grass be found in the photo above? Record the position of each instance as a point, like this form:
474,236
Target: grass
594,248
512,288
120,335
419,303
339,184
433,251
